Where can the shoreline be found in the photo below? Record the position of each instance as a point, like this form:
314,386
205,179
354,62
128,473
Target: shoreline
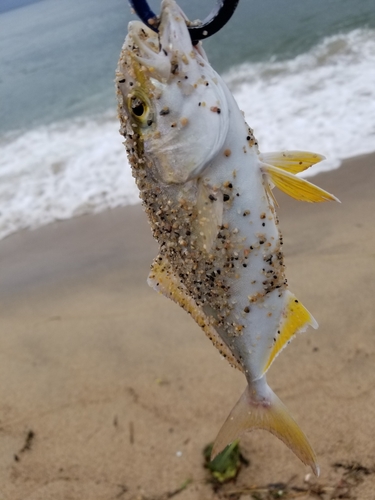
122,390
131,196
54,242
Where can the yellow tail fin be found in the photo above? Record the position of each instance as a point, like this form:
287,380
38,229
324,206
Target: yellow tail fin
271,415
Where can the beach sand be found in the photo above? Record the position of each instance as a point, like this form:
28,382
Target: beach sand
110,391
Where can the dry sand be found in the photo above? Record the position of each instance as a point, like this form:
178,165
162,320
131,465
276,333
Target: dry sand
110,391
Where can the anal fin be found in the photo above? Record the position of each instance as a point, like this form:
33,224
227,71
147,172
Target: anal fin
163,280
296,318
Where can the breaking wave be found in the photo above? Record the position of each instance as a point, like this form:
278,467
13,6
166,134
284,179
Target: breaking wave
322,101
61,171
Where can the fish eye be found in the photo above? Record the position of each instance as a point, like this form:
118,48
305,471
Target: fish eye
140,109
137,106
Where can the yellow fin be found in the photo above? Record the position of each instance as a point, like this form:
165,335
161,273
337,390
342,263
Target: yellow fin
297,188
208,217
163,280
271,197
296,319
292,161
269,414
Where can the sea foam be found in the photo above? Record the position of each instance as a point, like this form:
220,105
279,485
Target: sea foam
61,171
322,101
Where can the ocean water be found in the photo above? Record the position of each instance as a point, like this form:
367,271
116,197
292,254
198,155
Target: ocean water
303,72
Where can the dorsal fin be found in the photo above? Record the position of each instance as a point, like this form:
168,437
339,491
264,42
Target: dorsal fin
163,280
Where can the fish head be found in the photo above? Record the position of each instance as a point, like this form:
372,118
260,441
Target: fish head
172,104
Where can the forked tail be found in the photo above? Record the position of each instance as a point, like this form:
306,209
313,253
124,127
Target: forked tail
267,413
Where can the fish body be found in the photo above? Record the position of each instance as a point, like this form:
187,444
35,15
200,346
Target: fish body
207,191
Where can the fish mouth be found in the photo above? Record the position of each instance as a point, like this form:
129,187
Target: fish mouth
161,52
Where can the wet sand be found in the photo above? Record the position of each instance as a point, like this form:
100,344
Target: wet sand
108,390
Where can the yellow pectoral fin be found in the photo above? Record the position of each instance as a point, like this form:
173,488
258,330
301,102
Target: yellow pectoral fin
271,197
163,280
297,188
292,161
296,319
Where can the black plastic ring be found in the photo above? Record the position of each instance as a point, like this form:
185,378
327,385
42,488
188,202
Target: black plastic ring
211,25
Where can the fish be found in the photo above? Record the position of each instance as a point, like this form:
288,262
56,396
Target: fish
207,190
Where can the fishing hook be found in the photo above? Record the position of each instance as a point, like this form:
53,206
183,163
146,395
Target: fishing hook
211,25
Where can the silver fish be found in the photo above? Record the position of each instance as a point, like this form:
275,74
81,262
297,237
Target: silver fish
207,191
